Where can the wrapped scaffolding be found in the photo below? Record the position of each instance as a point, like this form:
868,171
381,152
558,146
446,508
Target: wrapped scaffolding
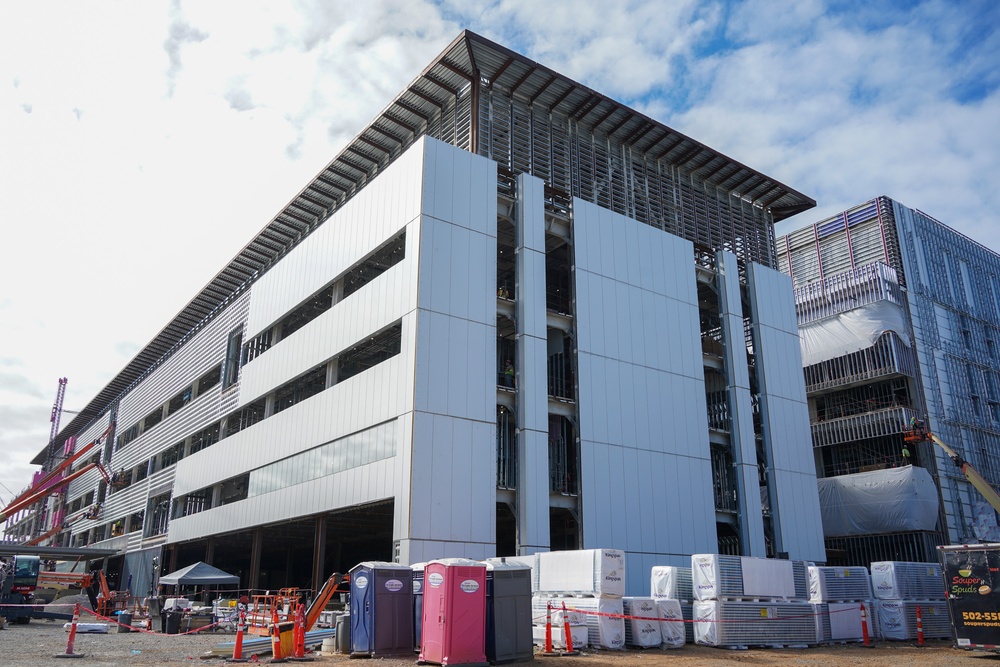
596,572
672,625
671,582
642,627
839,584
897,619
897,580
743,623
721,577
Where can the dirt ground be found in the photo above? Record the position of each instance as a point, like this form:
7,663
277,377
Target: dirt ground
35,644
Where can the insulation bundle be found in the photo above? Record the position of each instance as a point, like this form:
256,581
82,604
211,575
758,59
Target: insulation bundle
606,627
642,627
839,584
540,608
671,582
597,572
898,580
578,633
672,625
720,577
742,623
841,621
897,619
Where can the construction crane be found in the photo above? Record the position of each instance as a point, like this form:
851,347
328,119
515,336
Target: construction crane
919,433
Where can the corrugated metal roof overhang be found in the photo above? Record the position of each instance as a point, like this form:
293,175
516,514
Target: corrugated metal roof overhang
469,57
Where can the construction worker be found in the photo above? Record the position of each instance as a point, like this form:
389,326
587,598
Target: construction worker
508,375
906,455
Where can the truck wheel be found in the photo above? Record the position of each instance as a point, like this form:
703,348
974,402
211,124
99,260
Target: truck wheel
23,620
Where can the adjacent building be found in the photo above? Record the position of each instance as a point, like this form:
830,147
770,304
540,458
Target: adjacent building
900,319
512,315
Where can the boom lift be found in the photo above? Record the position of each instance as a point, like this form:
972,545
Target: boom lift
919,433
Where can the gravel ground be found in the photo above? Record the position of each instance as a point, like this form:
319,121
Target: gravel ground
34,645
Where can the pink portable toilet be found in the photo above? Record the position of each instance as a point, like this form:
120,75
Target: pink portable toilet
453,627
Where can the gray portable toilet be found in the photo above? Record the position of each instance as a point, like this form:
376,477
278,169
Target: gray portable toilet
381,609
418,602
508,611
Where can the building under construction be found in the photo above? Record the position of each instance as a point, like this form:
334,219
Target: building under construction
512,315
900,319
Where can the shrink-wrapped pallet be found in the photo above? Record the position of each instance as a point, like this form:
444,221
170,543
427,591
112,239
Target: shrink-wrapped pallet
606,628
596,572
578,633
540,608
671,582
672,625
839,584
899,580
743,623
841,621
721,577
642,627
897,619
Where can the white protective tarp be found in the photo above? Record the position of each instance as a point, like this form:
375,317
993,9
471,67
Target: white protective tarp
598,572
672,633
671,582
852,331
902,580
642,627
881,501
897,619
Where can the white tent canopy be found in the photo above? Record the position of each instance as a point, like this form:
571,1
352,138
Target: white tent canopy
199,574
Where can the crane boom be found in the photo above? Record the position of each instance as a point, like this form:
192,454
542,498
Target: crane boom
919,434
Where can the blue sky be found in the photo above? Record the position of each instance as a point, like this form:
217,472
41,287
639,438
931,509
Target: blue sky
143,144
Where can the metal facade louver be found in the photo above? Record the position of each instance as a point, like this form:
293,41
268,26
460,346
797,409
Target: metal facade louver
839,584
897,580
744,623
727,573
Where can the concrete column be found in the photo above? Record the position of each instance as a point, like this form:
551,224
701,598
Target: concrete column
210,551
319,573
531,366
744,443
258,541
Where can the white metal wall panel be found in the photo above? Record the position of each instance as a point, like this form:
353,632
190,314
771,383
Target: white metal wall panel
451,492
643,421
531,362
86,483
786,427
368,219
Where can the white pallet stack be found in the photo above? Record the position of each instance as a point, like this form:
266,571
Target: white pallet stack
606,628
898,619
577,633
671,582
900,580
642,630
542,605
841,621
739,623
722,577
838,594
839,584
673,629
586,572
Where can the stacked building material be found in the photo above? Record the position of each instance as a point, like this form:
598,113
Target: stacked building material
673,629
900,587
838,595
547,608
670,582
590,580
744,601
642,625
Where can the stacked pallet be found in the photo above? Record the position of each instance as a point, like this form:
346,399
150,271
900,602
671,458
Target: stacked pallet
670,586
838,595
742,601
549,610
900,588
589,580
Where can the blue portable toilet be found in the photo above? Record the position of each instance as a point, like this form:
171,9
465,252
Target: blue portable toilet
418,602
381,609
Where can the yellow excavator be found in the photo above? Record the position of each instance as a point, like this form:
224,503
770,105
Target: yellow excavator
918,432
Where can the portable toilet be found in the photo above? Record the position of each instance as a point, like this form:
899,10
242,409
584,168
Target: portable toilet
508,611
381,609
418,602
453,625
